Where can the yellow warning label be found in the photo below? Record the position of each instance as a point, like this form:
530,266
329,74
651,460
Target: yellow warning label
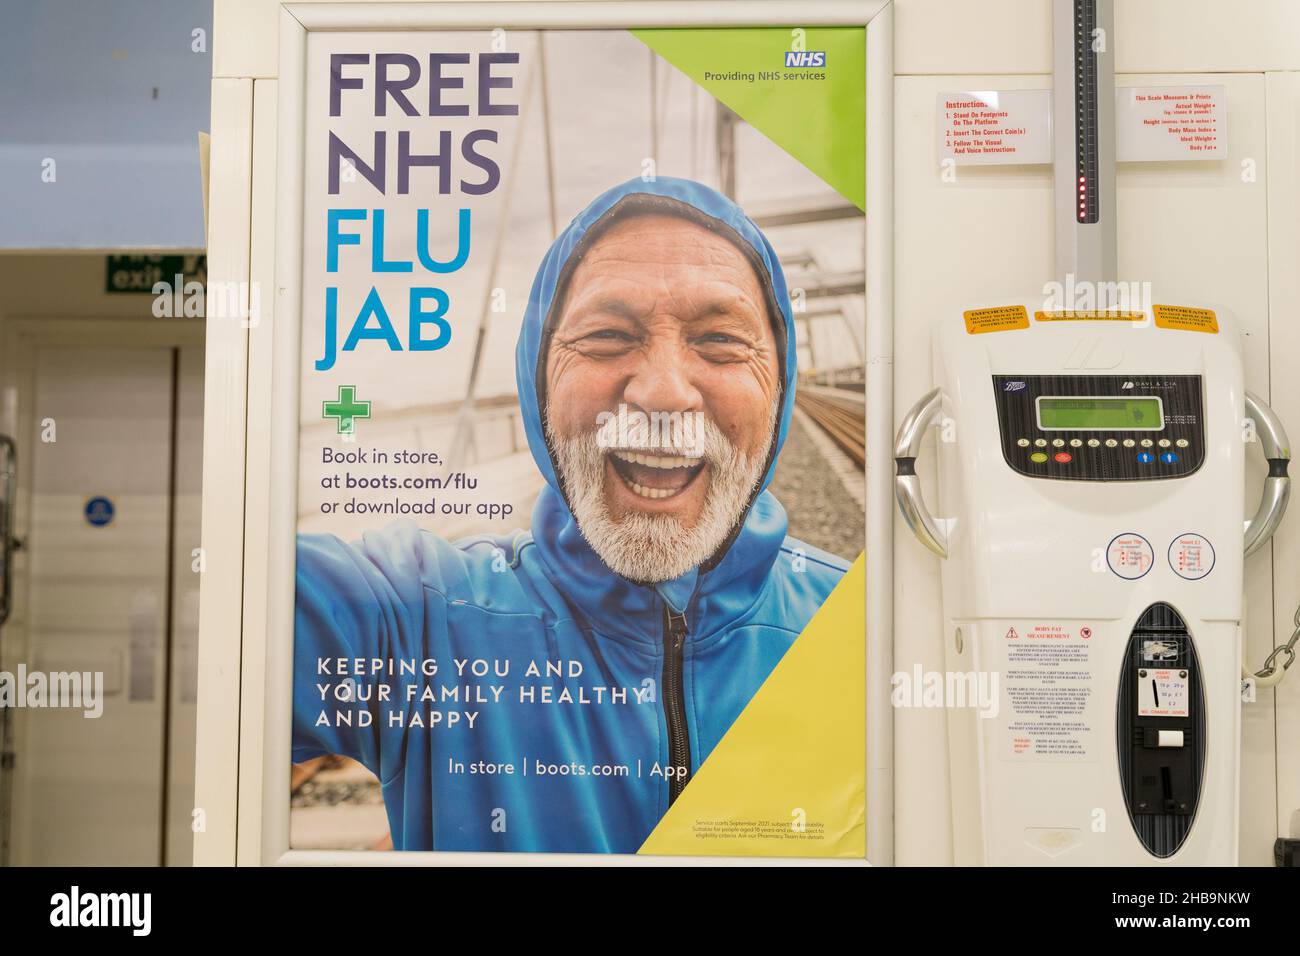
1090,316
1001,318
1186,318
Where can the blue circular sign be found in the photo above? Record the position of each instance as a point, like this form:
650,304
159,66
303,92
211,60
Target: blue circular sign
99,511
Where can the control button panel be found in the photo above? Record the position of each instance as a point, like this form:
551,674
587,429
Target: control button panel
1101,427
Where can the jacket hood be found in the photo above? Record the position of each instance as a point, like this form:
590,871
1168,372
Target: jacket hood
697,203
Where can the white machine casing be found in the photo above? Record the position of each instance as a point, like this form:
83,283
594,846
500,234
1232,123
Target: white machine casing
1029,555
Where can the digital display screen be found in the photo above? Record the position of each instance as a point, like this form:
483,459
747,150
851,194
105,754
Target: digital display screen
1094,414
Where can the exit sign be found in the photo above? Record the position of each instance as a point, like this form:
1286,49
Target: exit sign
142,273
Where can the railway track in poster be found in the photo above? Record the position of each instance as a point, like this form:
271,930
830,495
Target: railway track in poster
841,413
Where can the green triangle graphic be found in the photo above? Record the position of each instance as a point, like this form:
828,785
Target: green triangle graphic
820,122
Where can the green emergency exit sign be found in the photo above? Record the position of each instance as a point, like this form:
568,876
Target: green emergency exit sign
142,273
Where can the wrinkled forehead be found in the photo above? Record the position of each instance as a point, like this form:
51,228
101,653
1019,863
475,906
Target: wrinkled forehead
636,210
650,260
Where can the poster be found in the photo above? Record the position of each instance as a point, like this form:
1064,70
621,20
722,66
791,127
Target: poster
579,516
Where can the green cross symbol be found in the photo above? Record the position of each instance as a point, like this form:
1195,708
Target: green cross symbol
347,409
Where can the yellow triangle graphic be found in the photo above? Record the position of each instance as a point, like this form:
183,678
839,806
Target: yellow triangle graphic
789,777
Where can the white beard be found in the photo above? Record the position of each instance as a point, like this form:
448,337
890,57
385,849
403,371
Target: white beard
650,548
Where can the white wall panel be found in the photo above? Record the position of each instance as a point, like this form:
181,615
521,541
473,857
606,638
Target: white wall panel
1014,36
1283,94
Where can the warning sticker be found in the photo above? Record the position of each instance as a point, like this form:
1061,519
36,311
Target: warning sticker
1048,706
1002,318
1186,318
1090,316
1162,693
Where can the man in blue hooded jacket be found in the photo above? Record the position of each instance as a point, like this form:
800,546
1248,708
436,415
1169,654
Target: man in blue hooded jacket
554,690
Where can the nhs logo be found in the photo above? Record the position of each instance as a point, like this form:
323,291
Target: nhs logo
805,58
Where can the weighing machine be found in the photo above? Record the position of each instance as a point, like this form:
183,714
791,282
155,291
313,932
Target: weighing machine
1091,468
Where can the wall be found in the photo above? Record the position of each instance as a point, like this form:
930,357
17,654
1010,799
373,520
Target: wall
56,284
100,109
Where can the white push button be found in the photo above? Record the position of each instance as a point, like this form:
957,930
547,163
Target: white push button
1170,738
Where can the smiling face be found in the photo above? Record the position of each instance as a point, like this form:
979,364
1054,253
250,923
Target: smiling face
663,387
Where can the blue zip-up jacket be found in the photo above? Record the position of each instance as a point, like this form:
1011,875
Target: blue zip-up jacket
585,773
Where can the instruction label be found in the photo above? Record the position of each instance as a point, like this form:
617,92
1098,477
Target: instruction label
1000,318
1048,709
1186,318
1014,127
1090,316
1170,123
1130,556
1191,556
1163,693
995,127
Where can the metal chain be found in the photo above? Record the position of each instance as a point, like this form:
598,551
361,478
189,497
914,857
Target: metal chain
1270,662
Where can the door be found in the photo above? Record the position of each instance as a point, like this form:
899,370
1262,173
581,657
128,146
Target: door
112,593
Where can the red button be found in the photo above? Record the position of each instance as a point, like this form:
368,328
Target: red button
1064,457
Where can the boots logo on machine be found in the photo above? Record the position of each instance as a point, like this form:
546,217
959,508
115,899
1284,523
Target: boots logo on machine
74,908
